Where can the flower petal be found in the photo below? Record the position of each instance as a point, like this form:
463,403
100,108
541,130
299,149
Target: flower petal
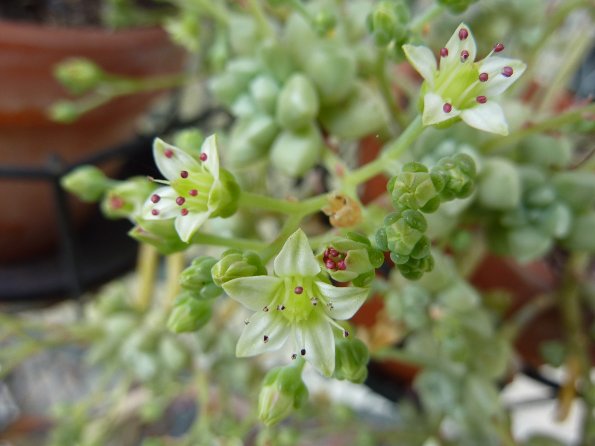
187,225
497,82
175,161
209,148
423,60
252,340
165,208
253,292
434,112
345,300
488,117
317,337
296,257
456,46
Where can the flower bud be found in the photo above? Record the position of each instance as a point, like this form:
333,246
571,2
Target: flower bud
351,360
126,199
79,75
388,21
283,390
415,188
459,174
324,22
87,182
161,234
296,152
234,264
297,104
64,112
189,140
197,278
189,314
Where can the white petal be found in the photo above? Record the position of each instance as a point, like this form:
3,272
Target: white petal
488,117
252,340
319,343
455,47
434,112
253,292
209,148
187,225
296,257
171,166
166,207
497,83
423,60
345,300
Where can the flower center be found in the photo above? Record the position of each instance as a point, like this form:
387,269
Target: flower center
297,298
460,85
192,188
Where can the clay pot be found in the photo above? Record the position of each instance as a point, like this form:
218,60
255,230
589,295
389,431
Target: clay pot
28,54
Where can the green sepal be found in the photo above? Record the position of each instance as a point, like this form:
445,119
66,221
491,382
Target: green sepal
226,194
351,360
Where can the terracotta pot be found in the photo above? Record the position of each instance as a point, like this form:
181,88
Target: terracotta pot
28,54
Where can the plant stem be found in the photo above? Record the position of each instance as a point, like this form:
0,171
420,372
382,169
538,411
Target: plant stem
554,122
394,151
260,17
146,267
406,357
174,267
229,242
308,206
290,226
387,91
418,23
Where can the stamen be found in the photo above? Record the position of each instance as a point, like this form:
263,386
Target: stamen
507,71
193,192
330,306
180,201
483,77
330,264
481,99
155,198
333,252
298,290
341,265
280,307
345,334
184,174
447,108
303,352
168,153
498,47
265,338
314,301
464,55
444,52
293,357
154,212
463,34
265,309
184,212
246,321
203,156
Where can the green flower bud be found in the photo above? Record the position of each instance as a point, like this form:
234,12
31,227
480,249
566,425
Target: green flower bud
125,199
576,188
264,91
406,232
324,22
87,182
197,278
351,360
161,234
333,71
283,390
251,138
297,104
64,112
189,314
414,269
416,188
581,234
189,140
79,75
296,152
234,264
362,113
499,184
388,21
456,6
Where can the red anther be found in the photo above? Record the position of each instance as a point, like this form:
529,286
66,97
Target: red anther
498,47
483,77
168,153
155,198
481,99
463,34
184,212
193,192
203,156
184,174
180,201
298,290
464,55
303,352
507,71
447,108
333,252
330,264
265,338
154,212
443,52
341,265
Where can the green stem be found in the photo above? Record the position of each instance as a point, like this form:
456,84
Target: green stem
406,357
146,268
308,206
260,17
387,90
554,122
290,226
229,242
174,267
419,22
394,151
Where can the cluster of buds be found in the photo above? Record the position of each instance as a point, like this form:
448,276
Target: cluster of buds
389,23
234,264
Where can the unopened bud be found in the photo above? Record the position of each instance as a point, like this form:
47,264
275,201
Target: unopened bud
283,391
64,112
235,264
126,198
197,278
79,75
351,360
86,182
189,314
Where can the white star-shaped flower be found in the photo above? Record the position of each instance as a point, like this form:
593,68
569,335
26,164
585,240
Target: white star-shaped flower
461,88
